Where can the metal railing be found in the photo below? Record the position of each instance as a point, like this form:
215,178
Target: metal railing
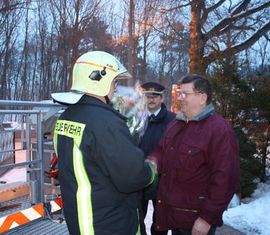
34,165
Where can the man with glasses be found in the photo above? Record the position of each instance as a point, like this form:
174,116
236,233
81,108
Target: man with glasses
158,119
198,163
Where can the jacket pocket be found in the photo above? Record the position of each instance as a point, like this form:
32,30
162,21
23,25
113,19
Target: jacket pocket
190,158
179,216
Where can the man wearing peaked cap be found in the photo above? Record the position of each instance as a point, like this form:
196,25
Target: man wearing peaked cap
158,119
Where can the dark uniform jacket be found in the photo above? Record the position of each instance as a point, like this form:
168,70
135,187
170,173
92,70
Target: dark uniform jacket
155,129
100,170
199,165
151,137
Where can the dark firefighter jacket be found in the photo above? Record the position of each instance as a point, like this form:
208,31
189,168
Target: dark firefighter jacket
100,170
199,165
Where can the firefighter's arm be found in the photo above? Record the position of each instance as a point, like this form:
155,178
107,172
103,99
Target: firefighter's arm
124,161
156,156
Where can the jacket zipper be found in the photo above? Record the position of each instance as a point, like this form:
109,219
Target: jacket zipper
186,210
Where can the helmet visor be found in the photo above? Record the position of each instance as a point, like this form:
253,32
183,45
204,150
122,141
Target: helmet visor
123,75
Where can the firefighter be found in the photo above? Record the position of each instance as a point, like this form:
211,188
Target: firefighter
100,168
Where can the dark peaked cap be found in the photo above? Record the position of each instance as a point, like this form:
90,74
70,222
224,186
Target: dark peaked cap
153,88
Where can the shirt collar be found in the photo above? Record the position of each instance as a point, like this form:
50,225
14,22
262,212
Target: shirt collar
155,113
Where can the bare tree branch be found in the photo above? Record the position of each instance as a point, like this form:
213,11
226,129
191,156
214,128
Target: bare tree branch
206,11
215,31
215,6
8,6
241,7
240,47
166,10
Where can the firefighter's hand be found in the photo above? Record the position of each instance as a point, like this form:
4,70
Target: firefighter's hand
200,227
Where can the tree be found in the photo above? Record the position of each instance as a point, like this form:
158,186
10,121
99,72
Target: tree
96,36
230,91
250,167
173,50
131,43
73,17
143,42
7,5
261,131
211,20
10,15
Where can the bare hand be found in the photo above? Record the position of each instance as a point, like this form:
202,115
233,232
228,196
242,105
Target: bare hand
200,227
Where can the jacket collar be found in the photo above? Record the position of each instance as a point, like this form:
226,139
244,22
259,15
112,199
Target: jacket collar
90,100
205,113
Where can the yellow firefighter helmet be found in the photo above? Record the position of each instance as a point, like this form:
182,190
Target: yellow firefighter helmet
93,73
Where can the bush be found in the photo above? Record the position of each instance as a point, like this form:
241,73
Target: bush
250,166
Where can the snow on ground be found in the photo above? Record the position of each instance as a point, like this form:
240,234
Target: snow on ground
14,175
148,218
252,217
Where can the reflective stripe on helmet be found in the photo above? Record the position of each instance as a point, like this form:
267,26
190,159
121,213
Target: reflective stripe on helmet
97,65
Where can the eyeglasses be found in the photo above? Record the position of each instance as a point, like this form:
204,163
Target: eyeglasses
185,94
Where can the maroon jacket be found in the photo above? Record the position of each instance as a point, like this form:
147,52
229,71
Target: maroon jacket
199,166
